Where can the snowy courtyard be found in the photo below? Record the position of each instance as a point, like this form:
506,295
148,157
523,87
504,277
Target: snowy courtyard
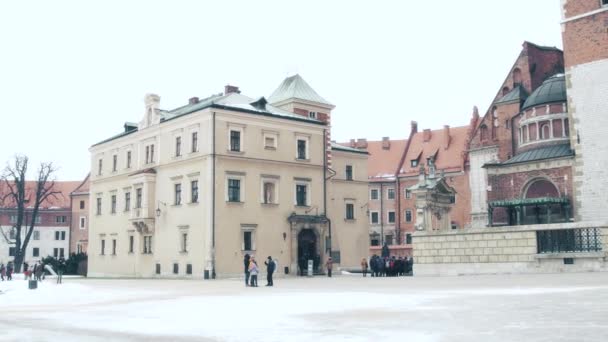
555,307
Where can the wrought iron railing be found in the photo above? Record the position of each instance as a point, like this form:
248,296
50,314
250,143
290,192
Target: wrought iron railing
569,240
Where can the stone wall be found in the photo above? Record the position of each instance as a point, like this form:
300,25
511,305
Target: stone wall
499,250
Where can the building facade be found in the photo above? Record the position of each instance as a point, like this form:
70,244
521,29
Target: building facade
189,192
79,225
584,27
51,235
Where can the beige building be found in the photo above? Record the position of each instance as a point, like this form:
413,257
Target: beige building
190,191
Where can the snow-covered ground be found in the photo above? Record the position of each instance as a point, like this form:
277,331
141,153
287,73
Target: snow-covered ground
558,307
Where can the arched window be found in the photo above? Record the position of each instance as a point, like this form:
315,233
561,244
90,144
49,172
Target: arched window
505,91
566,127
516,77
483,133
545,131
541,188
494,122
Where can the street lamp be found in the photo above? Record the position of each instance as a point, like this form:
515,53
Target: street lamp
158,211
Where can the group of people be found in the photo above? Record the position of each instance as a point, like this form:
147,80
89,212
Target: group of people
252,270
387,266
6,271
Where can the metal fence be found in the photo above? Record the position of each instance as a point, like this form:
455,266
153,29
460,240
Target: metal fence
569,240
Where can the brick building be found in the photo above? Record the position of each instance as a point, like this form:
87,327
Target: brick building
585,37
51,234
79,226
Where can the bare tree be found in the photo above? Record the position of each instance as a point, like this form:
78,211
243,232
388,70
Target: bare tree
17,195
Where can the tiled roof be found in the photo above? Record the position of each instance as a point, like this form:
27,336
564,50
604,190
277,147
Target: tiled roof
547,152
382,163
61,200
296,87
338,147
552,90
450,159
83,188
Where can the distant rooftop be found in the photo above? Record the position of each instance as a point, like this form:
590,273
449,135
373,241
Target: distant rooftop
296,87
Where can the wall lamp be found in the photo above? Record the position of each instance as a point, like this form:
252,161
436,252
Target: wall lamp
158,211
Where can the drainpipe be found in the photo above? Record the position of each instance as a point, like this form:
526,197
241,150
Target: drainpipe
325,187
212,201
398,225
381,215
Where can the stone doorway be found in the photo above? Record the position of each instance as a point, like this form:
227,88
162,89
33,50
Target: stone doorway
308,249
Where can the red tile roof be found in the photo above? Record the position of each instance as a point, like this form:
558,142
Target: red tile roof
61,200
83,188
450,159
382,163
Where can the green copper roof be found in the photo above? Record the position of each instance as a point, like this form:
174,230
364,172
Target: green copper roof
516,95
339,147
529,201
546,152
553,89
295,87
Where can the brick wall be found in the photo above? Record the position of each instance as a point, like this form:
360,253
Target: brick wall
573,8
585,39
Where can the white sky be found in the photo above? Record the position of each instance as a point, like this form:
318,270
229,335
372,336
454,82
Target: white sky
72,72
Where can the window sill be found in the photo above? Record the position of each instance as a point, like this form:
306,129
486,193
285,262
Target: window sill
177,157
235,202
302,206
271,148
176,205
193,152
269,204
235,152
350,220
190,204
302,160
183,252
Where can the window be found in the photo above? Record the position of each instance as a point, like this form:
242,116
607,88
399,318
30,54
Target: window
408,194
128,159
235,141
312,115
375,242
81,204
194,142
350,211
194,191
270,141
184,243
99,166
131,243
149,154
36,235
544,131
374,218
113,246
11,251
37,219
454,226
301,149
388,239
83,221
234,190
98,205
61,253
35,252
247,241
349,172
114,163
13,234
178,146
127,201
408,216
604,2
178,194
56,252
374,194
62,235
157,268
391,217
414,162
301,199
147,244
408,239
138,198
79,248
57,235
113,204
175,268
269,192
188,268
13,219
103,247
483,133
390,193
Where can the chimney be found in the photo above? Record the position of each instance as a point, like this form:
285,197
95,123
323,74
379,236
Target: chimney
353,143
426,137
229,89
446,137
193,100
414,128
361,143
386,143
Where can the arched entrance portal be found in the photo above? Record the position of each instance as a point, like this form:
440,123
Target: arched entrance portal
308,249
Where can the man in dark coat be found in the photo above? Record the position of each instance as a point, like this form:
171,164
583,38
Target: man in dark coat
60,270
270,266
9,271
246,263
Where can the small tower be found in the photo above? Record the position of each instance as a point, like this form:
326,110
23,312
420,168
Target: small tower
296,96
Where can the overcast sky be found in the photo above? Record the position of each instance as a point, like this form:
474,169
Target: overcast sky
72,72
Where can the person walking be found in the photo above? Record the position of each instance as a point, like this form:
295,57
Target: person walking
60,269
246,263
270,267
2,271
9,271
329,264
39,271
364,267
253,271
